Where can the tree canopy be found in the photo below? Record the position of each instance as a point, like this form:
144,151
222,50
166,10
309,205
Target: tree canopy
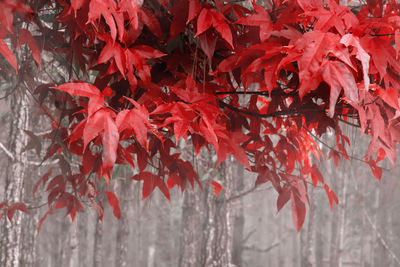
261,82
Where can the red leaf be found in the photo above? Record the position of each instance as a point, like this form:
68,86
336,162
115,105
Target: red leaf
150,20
389,95
208,41
110,140
8,55
150,182
14,207
331,196
178,23
361,55
204,21
298,211
260,19
339,77
376,170
43,219
283,198
79,89
25,37
316,176
42,180
217,187
113,50
77,4
146,51
397,42
114,203
107,9
194,9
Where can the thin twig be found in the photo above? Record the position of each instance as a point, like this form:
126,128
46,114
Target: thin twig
261,250
380,237
9,154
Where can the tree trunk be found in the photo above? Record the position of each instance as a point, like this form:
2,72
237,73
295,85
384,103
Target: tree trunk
219,223
98,246
15,178
310,252
238,224
164,239
207,234
73,244
123,229
342,219
191,235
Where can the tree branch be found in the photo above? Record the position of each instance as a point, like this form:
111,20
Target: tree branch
268,115
261,250
380,237
9,154
34,163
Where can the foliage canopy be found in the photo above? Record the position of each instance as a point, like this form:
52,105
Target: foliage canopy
259,83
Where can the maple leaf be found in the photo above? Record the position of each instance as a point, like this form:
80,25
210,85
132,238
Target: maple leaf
298,211
102,123
11,209
339,77
361,55
150,182
259,18
382,54
114,203
397,42
311,51
150,20
25,37
331,196
108,10
208,17
113,50
96,98
8,55
217,187
194,10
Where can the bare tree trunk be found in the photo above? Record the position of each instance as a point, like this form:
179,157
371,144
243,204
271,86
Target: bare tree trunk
207,225
163,248
309,256
84,228
374,238
191,237
98,246
219,224
123,229
238,224
73,244
15,177
342,220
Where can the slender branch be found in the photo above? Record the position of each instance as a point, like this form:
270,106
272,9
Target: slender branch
268,115
383,34
242,194
380,237
337,151
34,163
349,123
273,93
9,154
261,250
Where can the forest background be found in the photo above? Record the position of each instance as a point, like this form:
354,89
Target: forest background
220,107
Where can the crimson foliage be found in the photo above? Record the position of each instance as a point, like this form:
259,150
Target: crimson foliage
258,83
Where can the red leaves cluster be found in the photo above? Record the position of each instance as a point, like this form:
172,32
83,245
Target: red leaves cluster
168,70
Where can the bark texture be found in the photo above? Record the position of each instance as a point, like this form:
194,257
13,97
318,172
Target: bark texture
11,255
207,223
123,229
